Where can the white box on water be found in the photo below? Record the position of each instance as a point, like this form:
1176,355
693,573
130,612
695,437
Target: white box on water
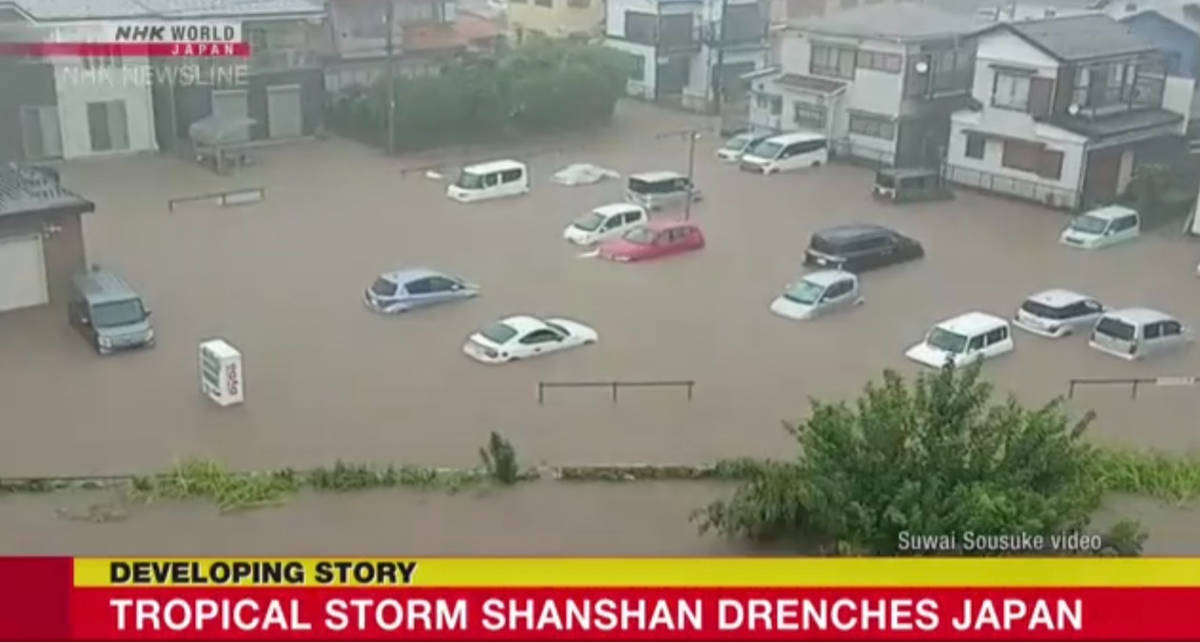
221,377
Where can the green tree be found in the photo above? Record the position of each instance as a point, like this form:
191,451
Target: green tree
934,457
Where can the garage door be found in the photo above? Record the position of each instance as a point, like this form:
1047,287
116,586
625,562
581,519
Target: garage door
283,111
22,272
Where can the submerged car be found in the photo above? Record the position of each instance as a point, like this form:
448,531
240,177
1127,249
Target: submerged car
605,223
818,293
1137,333
1057,313
734,148
653,240
860,247
962,340
402,290
1102,227
522,336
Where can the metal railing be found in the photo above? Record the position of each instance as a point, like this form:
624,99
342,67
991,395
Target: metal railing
1133,383
1056,197
615,386
845,149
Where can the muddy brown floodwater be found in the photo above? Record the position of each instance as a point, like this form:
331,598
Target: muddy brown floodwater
325,379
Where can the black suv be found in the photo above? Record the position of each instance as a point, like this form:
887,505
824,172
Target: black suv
860,247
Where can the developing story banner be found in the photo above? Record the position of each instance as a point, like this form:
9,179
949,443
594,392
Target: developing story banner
625,599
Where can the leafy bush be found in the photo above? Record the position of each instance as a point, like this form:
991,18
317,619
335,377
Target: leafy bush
500,459
935,457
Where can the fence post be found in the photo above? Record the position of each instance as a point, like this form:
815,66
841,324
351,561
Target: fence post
1071,390
1133,391
689,386
614,391
541,385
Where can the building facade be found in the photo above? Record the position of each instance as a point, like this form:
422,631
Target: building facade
1061,108
880,82
690,53
555,18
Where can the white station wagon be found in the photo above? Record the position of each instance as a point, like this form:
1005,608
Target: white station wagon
1057,313
963,339
605,223
1102,227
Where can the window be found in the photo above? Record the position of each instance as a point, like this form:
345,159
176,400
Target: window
996,336
420,286
108,126
976,343
873,126
806,147
641,27
808,116
440,284
975,146
491,180
635,63
510,175
540,336
675,29
1125,222
613,223
1032,157
742,22
1011,91
578,4
950,70
1171,328
1152,330
880,61
837,289
828,60
632,217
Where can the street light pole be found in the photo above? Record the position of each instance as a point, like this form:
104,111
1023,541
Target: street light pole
692,136
390,18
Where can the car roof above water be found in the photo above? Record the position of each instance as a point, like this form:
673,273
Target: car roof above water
406,275
103,286
494,166
825,278
617,208
1110,212
1058,298
654,177
1139,316
972,323
851,231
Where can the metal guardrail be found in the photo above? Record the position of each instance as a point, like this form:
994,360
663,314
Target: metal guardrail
1133,383
1046,195
223,199
613,385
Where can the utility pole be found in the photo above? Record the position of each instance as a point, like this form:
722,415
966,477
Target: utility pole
719,39
390,19
692,135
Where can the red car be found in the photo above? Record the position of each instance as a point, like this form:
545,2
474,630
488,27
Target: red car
655,239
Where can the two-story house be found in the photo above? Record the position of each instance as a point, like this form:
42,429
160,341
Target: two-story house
1062,106
555,18
880,81
689,53
786,12
1173,25
68,106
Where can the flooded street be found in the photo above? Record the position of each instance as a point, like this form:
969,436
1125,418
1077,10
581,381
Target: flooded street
326,379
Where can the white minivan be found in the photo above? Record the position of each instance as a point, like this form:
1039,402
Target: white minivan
1102,227
786,152
1135,333
604,223
657,190
963,339
490,180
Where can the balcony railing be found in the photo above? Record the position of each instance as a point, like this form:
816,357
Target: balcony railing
1049,195
277,59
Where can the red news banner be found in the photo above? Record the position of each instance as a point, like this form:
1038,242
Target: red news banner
647,599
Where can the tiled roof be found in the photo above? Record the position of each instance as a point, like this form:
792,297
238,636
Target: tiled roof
27,190
812,83
1080,37
903,21
181,9
466,30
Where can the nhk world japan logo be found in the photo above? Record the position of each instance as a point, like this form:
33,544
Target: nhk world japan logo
154,39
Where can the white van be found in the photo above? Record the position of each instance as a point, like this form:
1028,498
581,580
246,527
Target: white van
963,339
656,190
604,223
1102,227
786,152
490,180
1135,333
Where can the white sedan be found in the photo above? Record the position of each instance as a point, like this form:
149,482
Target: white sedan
521,337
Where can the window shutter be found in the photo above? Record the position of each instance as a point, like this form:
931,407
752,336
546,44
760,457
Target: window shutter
1040,90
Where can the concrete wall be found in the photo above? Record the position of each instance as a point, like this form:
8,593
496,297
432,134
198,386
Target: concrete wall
24,83
64,251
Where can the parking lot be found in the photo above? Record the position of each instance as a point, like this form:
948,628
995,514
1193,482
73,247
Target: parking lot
325,378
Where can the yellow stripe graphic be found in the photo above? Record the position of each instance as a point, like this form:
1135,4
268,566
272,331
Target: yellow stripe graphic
635,572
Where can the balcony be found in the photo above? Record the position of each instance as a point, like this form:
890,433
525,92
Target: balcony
283,59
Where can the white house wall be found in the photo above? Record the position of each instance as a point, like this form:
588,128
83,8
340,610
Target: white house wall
614,15
643,88
1178,95
1007,50
77,87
